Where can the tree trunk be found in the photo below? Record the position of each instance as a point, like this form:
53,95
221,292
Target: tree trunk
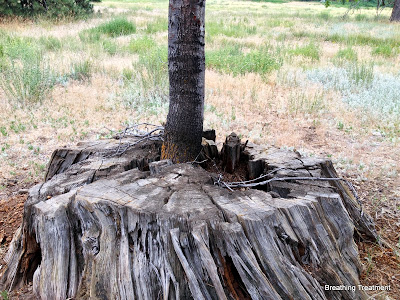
100,228
395,12
186,66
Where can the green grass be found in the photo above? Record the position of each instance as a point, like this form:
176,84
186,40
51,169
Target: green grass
146,88
363,40
310,51
50,43
109,46
361,74
81,70
232,60
117,27
384,50
160,24
240,28
345,55
140,45
27,80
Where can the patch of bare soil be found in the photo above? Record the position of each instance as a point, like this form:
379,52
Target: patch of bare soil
11,211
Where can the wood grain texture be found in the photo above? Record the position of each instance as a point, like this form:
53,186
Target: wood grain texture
104,229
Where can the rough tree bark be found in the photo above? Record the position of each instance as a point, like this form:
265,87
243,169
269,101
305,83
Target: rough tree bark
186,67
104,227
396,11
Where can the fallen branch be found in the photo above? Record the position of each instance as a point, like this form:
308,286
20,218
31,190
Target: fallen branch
154,133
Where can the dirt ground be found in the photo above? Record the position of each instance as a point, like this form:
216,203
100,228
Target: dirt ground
381,265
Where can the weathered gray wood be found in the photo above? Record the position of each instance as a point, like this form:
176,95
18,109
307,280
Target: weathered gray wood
209,149
230,152
102,230
290,164
209,134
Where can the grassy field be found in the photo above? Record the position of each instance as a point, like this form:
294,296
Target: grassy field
292,74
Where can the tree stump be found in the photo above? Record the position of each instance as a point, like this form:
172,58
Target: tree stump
123,227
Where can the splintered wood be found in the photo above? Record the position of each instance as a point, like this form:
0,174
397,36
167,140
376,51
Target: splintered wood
127,227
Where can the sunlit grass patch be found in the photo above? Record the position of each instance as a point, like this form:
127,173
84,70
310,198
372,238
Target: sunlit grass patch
109,46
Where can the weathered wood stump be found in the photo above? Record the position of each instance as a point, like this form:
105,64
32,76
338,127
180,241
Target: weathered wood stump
105,227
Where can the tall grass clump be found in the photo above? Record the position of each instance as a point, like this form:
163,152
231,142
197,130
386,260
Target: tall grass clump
109,46
384,50
160,24
237,29
346,55
50,43
232,60
309,51
26,81
114,28
81,70
25,75
141,45
147,89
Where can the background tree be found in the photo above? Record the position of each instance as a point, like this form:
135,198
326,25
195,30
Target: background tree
396,11
186,67
59,8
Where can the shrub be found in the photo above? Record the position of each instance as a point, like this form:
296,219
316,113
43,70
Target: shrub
54,9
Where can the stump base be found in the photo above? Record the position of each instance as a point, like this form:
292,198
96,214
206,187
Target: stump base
103,227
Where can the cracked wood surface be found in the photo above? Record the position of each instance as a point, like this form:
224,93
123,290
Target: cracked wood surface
105,229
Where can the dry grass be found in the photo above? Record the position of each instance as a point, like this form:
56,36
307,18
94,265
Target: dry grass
282,107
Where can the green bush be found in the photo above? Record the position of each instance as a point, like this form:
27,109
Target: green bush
53,9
